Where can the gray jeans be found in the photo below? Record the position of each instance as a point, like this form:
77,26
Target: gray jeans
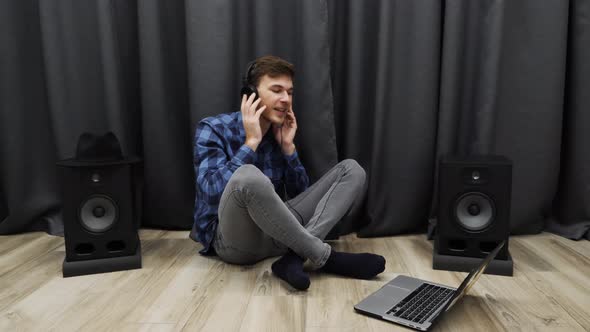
254,223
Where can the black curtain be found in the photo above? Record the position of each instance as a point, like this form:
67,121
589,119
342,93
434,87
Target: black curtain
147,71
386,72
394,84
571,216
415,80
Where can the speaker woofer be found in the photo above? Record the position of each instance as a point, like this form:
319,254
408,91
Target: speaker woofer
98,213
474,211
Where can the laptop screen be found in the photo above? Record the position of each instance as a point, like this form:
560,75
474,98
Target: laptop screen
472,277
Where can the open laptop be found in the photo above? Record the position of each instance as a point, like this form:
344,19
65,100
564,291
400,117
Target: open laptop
418,303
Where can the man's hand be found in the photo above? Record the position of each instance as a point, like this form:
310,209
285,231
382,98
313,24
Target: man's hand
285,135
251,120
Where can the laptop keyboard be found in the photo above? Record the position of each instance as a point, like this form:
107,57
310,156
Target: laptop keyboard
421,303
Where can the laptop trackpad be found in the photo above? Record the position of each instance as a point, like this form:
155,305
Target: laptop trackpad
394,293
383,300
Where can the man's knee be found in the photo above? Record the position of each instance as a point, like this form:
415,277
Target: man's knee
250,177
354,170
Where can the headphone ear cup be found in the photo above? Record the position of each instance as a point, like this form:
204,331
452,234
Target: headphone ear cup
245,91
247,87
248,90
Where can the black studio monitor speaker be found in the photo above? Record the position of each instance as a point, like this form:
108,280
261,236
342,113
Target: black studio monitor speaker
101,196
473,213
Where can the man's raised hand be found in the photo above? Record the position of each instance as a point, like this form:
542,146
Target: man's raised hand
251,120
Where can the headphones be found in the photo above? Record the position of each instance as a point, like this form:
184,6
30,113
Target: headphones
247,87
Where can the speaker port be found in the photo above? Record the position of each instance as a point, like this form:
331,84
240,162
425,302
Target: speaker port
115,246
487,247
83,249
457,245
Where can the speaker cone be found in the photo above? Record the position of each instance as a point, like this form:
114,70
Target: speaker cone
474,211
98,213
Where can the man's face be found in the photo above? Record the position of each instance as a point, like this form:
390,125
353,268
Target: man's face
276,94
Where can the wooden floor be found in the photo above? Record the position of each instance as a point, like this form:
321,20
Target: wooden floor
177,289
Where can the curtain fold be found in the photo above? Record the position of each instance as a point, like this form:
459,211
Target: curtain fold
571,216
386,104
530,106
165,117
393,84
27,149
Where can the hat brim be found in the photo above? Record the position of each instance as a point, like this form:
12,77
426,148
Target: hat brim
72,162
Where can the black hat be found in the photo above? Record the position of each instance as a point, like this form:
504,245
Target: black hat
93,150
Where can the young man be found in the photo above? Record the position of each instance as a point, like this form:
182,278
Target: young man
244,163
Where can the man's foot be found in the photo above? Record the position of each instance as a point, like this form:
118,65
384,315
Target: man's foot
290,269
360,266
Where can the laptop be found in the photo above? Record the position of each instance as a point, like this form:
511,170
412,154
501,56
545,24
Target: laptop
418,303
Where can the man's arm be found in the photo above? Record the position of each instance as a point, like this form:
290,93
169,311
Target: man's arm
296,179
213,167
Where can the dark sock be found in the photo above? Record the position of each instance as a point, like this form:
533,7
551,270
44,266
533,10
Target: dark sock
360,266
290,269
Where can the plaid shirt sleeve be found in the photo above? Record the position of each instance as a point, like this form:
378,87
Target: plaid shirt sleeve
212,164
296,179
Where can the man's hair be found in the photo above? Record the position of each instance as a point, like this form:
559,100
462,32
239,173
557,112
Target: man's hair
272,66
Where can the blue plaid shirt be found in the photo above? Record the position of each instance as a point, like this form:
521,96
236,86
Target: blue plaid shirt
218,152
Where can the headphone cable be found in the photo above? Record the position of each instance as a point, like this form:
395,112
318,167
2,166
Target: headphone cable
285,185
